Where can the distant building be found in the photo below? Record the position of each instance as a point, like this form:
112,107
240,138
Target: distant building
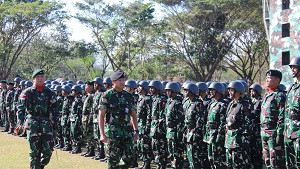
282,23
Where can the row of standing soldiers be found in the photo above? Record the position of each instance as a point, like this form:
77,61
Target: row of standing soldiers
216,124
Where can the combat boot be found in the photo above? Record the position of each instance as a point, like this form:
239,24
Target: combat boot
77,149
11,131
91,152
67,147
97,156
87,151
146,165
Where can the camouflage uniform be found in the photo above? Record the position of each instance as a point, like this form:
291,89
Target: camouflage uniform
17,94
40,107
272,124
144,122
292,127
59,136
76,122
87,121
194,121
174,124
4,115
237,134
158,129
118,129
255,138
215,133
65,121
9,108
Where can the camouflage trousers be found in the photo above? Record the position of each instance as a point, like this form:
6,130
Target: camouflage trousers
88,130
12,119
272,153
4,119
197,154
144,147
160,149
66,133
237,158
176,150
216,155
99,144
117,149
256,158
292,153
76,132
41,148
59,135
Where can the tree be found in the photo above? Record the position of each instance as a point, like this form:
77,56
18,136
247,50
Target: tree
20,22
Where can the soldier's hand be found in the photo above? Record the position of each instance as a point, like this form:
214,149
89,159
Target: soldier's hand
136,136
104,139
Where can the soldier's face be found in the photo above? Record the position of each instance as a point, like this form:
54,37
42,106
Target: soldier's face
119,84
253,93
3,85
272,81
39,80
88,88
295,70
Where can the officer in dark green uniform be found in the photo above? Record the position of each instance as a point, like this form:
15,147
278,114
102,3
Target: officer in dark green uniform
118,111
40,104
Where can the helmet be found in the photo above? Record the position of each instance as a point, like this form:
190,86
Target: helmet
185,83
70,85
70,81
225,84
28,83
66,88
79,82
55,83
173,86
99,81
77,88
164,83
57,88
82,87
245,84
256,87
53,86
282,87
202,86
295,62
108,81
22,83
237,86
131,84
18,80
47,82
219,87
207,84
193,88
144,84
156,84
63,83
48,85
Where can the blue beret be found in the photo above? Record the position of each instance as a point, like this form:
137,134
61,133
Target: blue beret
38,72
117,75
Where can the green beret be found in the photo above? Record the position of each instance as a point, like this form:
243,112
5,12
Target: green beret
275,73
117,75
37,72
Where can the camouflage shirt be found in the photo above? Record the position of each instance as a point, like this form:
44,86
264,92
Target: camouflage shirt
272,113
9,100
66,109
292,112
158,123
144,114
118,106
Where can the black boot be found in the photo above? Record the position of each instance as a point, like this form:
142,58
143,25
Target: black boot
67,147
87,151
146,165
11,131
97,156
91,153
141,167
77,149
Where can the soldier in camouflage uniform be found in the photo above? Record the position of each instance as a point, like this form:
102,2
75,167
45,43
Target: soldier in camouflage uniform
272,121
144,122
215,126
292,118
107,83
237,128
98,82
194,116
9,107
65,120
87,120
158,124
60,100
174,124
40,104
121,120
4,116
75,119
18,91
255,139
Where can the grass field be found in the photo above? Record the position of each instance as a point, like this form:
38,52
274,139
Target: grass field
14,154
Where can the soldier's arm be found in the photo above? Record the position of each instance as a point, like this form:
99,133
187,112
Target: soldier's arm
101,117
22,107
53,109
281,104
